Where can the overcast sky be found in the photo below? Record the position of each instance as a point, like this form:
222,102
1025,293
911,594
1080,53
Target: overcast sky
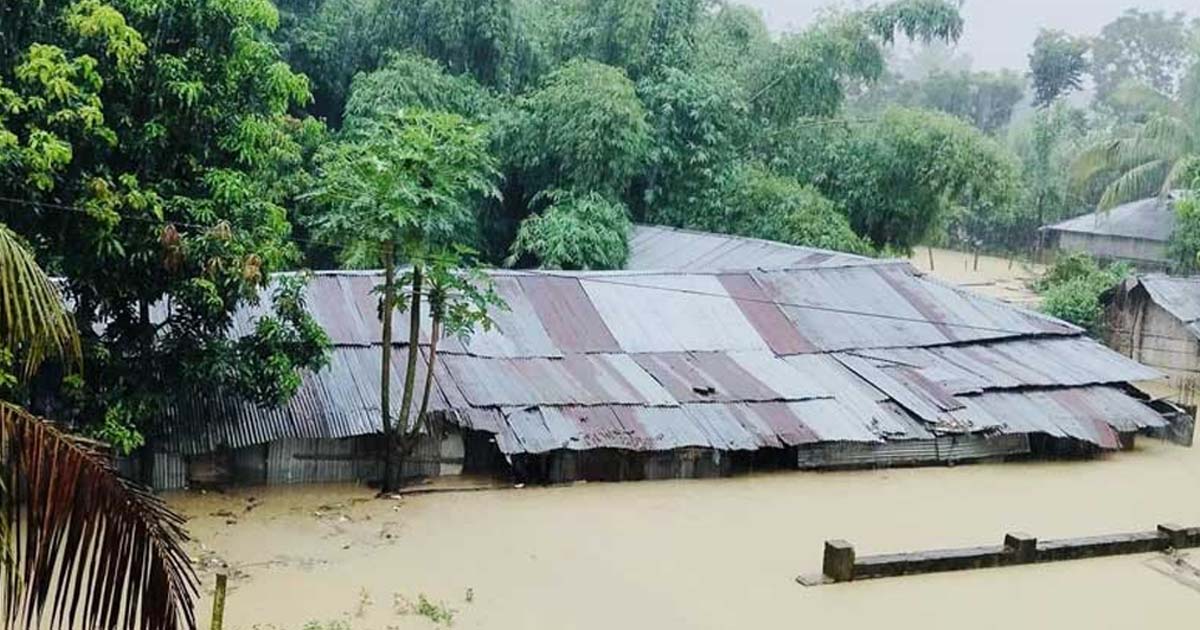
999,33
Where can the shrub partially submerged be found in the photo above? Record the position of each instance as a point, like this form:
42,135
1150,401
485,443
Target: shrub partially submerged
1072,288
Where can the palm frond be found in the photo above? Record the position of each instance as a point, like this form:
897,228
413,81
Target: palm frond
1138,182
1181,174
33,320
1093,161
88,547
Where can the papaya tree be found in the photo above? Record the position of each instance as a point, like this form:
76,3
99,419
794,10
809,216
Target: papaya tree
403,191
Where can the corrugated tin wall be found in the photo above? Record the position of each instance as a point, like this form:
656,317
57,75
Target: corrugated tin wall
942,449
170,472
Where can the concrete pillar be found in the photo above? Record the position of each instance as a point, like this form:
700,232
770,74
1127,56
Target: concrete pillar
1023,547
839,560
1176,535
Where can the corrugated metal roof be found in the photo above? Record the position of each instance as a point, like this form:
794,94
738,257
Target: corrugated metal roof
658,248
1178,296
869,352
1148,219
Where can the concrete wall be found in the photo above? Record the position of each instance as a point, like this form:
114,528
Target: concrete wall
1146,253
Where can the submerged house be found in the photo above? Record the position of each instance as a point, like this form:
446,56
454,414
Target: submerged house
1155,319
1137,232
654,374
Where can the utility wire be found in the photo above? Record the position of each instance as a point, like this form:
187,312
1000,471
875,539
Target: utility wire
602,280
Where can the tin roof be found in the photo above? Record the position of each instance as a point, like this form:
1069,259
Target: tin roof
1179,296
737,360
1148,219
664,248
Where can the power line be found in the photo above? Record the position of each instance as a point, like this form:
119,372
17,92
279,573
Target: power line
814,307
597,279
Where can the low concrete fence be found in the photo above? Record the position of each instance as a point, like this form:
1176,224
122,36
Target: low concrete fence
842,565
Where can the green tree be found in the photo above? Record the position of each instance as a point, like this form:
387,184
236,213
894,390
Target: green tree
584,129
807,74
401,191
72,530
332,41
575,231
1057,65
639,36
1045,144
1184,247
144,144
1150,48
407,81
899,177
984,99
699,130
781,209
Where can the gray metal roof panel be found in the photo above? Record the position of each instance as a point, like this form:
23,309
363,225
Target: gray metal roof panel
1180,296
662,248
1148,219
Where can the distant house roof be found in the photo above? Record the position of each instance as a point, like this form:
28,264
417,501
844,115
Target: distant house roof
1178,296
664,249
736,360
1149,219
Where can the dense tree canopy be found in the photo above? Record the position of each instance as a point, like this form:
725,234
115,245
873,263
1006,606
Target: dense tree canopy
146,143
1057,66
1142,48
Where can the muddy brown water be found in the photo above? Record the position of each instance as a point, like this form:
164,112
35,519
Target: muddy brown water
717,553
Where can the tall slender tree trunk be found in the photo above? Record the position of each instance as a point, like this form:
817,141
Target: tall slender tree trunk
435,331
410,370
385,389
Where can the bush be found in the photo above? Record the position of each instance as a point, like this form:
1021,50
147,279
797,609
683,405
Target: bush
1185,241
782,209
1072,287
575,232
1075,301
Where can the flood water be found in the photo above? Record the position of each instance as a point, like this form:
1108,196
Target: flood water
701,554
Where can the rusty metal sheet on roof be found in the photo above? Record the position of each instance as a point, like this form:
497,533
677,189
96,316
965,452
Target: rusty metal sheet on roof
914,400
775,328
655,361
974,316
779,376
1090,414
726,377
779,421
1042,362
851,391
518,330
849,307
573,380
567,314
671,313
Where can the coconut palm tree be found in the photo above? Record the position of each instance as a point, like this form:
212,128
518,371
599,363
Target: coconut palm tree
1154,158
80,546
1149,159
